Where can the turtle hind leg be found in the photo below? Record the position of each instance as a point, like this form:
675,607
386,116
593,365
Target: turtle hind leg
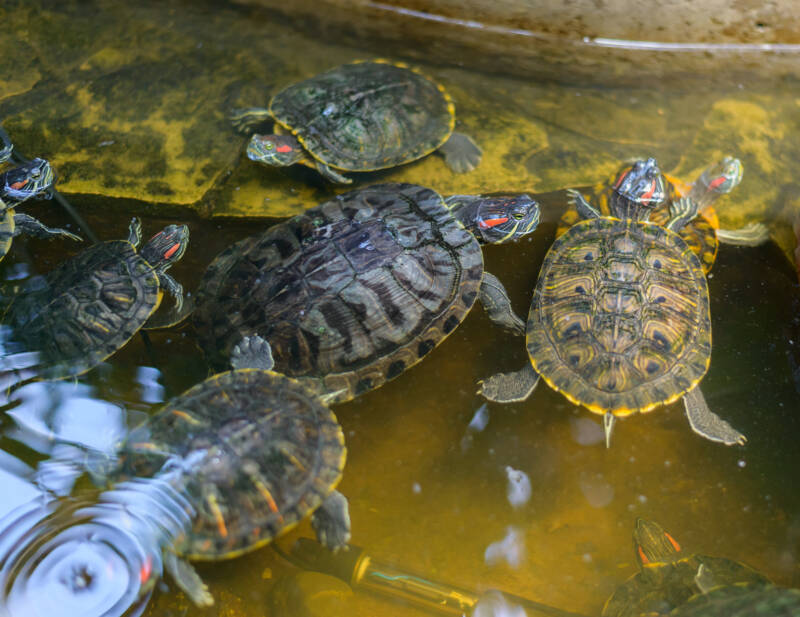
495,301
247,120
331,521
187,578
509,387
25,224
708,424
753,234
461,153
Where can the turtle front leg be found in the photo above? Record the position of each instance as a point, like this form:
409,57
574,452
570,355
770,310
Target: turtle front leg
584,208
252,352
331,521
510,387
494,298
24,224
174,288
330,175
753,234
187,578
681,211
461,153
246,120
708,424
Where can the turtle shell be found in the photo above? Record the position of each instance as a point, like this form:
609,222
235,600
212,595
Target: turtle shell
700,233
366,115
743,601
87,308
620,316
348,294
268,453
661,587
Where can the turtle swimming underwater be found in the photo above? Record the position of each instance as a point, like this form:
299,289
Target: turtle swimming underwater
702,233
619,320
668,577
16,186
362,116
354,291
89,306
259,453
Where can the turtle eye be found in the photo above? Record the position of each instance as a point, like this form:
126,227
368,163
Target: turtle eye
518,215
268,145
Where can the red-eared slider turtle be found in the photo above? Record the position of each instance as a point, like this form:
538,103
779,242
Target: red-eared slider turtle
17,185
219,470
359,117
668,577
260,452
702,233
88,307
619,320
356,290
742,601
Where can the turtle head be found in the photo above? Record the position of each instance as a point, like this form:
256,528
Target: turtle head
637,190
275,150
719,179
26,181
652,544
496,219
166,247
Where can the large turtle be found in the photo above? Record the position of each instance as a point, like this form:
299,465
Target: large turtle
668,577
17,185
356,290
702,233
359,117
89,306
619,320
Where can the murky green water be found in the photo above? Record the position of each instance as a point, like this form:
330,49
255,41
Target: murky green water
425,491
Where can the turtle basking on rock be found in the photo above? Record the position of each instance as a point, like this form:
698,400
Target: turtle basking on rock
619,320
353,292
362,116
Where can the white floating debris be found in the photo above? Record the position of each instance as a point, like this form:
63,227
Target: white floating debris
494,604
480,419
416,488
597,491
510,549
519,487
586,431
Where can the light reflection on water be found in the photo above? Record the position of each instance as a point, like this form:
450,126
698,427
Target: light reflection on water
428,467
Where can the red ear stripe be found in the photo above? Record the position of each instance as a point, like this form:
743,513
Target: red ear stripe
492,222
716,182
675,545
649,194
146,570
642,556
171,250
284,148
19,185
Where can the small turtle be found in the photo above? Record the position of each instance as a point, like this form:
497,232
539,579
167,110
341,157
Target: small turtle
668,577
17,185
619,320
88,307
702,233
256,454
362,116
354,291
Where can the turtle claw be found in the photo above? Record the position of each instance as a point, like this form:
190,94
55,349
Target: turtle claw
331,522
252,352
461,153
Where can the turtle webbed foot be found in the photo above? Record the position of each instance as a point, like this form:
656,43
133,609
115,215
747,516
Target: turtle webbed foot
509,387
461,153
753,234
331,521
331,175
25,224
187,578
496,303
247,120
706,423
252,352
174,288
